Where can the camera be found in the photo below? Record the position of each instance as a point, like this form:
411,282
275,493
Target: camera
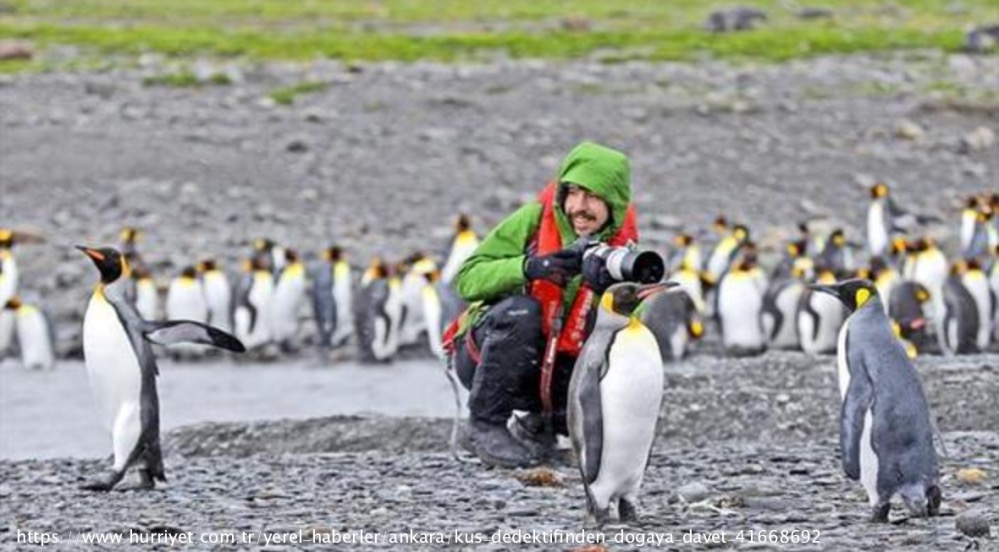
625,265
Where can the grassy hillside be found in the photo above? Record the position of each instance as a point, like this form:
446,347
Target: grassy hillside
462,29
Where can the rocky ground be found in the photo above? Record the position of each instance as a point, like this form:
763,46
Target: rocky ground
383,158
744,445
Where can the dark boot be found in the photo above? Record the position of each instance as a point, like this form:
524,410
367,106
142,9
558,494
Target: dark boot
496,447
530,431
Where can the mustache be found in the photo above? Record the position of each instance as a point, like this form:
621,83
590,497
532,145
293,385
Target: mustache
585,215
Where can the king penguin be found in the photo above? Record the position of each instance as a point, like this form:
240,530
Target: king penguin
725,253
147,296
218,294
463,243
433,313
324,306
819,319
8,322
957,325
685,269
185,300
287,301
615,394
740,305
8,289
673,318
122,369
907,305
252,304
977,283
780,310
886,430
414,324
35,334
885,220
378,311
343,286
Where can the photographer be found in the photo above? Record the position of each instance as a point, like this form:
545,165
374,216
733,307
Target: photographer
532,290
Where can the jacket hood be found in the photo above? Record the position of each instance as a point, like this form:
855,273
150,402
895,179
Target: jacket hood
603,171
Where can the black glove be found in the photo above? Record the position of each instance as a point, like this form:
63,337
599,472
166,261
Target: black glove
558,267
596,275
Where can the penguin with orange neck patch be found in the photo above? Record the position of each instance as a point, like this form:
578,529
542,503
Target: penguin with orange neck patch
122,369
886,432
615,394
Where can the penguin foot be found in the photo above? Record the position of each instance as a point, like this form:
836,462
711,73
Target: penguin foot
103,485
145,483
627,511
933,499
879,514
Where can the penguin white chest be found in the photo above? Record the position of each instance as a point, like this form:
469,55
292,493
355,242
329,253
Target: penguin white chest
112,363
186,301
631,394
431,303
877,238
740,304
843,369
869,463
34,337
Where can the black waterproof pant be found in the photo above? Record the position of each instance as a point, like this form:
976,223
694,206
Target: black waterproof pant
510,345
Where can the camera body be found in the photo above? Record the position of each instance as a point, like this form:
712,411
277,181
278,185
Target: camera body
623,264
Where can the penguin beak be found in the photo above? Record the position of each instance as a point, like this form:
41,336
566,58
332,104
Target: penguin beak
94,254
648,290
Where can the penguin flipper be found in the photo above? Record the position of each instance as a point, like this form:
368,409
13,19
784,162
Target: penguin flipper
859,395
770,307
172,332
593,423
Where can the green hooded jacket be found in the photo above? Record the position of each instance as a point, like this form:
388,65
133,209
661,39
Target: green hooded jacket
496,268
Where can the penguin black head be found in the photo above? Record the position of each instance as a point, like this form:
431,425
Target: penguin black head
13,303
291,256
853,293
838,237
189,272
624,297
683,240
879,190
462,224
432,276
110,263
263,244
333,254
207,265
6,238
721,223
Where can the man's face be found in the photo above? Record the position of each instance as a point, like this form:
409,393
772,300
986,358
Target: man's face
586,211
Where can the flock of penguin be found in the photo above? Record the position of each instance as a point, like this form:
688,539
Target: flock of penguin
388,308
816,299
935,304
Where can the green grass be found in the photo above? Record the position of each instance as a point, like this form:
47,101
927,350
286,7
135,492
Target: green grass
451,30
287,95
186,79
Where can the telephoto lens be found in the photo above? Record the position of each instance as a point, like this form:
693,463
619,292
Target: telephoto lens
625,265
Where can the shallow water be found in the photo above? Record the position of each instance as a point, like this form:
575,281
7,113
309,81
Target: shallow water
53,414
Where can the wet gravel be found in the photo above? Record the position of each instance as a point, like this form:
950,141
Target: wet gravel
723,489
747,445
